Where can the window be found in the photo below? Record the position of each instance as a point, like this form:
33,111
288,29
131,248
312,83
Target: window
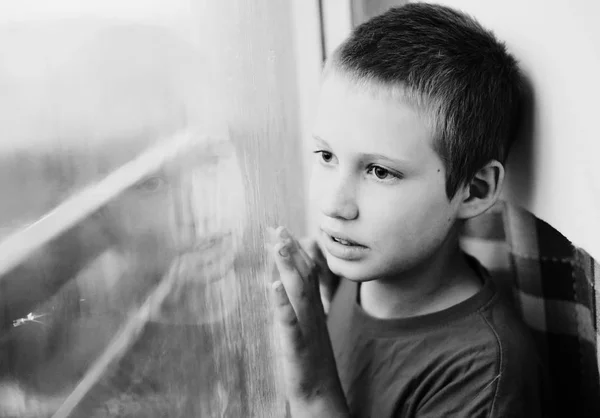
146,146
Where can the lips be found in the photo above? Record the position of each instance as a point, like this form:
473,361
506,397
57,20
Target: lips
341,238
214,241
343,247
210,259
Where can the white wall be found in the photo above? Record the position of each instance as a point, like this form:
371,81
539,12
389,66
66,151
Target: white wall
158,10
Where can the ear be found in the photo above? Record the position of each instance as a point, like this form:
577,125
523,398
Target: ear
483,191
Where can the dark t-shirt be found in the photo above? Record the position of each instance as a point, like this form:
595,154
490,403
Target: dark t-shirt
474,359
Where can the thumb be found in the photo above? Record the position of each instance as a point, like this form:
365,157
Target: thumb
287,321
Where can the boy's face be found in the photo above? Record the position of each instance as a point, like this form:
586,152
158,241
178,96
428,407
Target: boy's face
191,210
378,182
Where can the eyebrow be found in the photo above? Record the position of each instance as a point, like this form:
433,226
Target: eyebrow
367,156
319,139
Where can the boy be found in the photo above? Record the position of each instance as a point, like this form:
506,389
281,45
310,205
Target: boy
417,112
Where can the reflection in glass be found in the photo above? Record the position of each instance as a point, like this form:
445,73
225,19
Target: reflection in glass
91,320
148,279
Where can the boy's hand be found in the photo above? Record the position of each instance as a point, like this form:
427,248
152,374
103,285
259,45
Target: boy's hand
328,282
311,378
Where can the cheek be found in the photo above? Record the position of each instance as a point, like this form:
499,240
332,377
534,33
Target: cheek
317,187
410,221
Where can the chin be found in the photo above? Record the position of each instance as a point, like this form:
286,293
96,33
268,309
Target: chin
356,271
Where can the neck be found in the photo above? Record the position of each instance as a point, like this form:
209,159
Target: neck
436,283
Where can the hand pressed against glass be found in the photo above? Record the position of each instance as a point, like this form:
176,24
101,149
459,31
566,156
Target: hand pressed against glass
312,383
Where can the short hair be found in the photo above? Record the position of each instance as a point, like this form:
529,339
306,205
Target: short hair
454,71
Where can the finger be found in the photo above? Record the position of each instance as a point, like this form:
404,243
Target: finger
304,251
287,320
306,256
325,300
310,245
304,263
328,281
313,249
301,260
290,276
310,271
272,270
302,293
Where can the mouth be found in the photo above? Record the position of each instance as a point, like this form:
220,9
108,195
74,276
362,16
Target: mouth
343,247
220,241
344,242
341,239
210,259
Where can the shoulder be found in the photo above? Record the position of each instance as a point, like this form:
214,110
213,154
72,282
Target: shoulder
519,372
497,324
486,366
481,363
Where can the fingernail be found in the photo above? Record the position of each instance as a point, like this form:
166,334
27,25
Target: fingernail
284,252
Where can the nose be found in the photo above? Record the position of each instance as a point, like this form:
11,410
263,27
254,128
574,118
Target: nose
197,206
185,228
210,201
339,199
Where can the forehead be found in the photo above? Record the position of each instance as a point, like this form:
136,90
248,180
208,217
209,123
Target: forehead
366,119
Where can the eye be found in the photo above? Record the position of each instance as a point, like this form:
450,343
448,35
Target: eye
380,173
151,184
325,156
383,173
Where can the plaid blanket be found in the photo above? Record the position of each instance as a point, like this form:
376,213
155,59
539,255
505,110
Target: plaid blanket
556,288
